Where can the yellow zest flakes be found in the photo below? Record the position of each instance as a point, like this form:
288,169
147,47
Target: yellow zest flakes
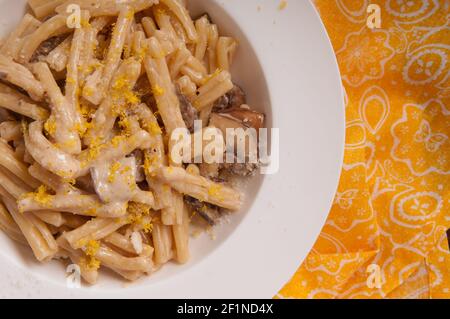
85,23
157,90
41,196
137,212
90,263
50,126
129,15
90,68
86,110
91,248
160,11
82,242
63,174
115,142
131,182
124,123
120,83
91,212
113,171
94,263
67,144
119,220
82,129
196,104
79,129
42,113
126,50
125,170
138,209
71,181
147,228
149,163
211,76
283,4
115,110
155,129
134,219
214,191
88,91
131,97
122,90
152,127
94,150
141,53
70,80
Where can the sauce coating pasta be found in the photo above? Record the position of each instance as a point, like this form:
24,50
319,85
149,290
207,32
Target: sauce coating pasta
88,111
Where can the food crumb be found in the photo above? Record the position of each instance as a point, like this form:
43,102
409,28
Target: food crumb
283,4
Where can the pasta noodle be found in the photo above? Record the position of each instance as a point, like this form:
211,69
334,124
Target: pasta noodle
43,8
106,7
35,231
95,87
226,47
14,42
51,27
64,117
9,226
87,114
20,76
20,106
10,130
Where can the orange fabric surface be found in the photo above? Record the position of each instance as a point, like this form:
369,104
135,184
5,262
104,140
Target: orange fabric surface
392,209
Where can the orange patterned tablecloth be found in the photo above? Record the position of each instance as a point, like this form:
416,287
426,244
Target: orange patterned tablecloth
386,233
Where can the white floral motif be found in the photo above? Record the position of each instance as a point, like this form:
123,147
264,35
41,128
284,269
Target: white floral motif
413,210
421,207
424,67
412,9
345,200
433,142
404,4
364,55
420,69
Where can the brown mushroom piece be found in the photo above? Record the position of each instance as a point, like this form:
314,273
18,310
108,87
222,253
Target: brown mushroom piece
189,113
205,14
210,213
246,116
47,46
233,99
238,118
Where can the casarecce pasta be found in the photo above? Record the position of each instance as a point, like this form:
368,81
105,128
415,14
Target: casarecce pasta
87,113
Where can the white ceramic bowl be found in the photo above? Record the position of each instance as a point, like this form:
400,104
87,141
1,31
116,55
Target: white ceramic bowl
288,68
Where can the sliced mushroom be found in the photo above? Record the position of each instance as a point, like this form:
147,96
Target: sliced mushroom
223,121
205,14
210,213
239,169
143,87
189,113
47,46
248,117
238,118
233,99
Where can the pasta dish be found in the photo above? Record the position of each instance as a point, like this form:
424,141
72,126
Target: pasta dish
90,94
